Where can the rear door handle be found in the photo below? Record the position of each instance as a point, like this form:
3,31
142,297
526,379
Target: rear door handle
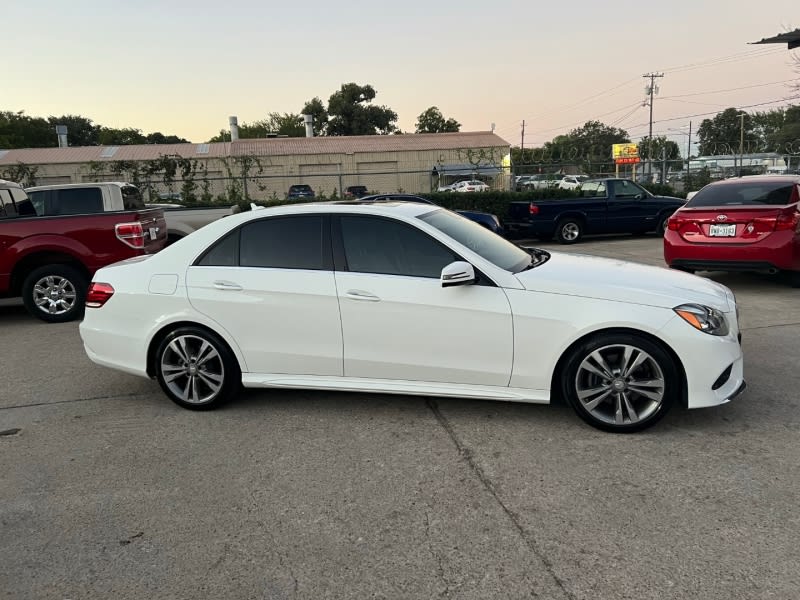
227,285
362,296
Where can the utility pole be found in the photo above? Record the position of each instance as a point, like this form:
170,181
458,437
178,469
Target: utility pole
522,144
688,159
741,143
651,90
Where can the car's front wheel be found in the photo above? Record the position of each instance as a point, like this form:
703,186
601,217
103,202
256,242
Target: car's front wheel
197,369
620,382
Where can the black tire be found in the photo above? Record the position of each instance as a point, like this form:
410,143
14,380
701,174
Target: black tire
657,366
55,293
794,278
569,230
662,224
217,366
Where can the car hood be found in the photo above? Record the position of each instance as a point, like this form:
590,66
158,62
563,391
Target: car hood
623,281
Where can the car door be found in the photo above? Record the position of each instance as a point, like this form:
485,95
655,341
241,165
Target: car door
270,284
398,322
628,208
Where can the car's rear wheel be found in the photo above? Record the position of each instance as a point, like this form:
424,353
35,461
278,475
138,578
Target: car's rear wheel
569,230
55,293
620,382
197,369
794,278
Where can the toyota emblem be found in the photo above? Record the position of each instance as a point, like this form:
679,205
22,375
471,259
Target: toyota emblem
722,217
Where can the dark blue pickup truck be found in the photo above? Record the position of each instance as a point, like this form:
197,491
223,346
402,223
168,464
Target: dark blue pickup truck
604,206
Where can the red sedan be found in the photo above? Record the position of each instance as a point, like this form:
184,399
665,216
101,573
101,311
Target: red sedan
743,224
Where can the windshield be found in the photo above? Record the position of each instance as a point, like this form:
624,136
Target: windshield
480,240
745,193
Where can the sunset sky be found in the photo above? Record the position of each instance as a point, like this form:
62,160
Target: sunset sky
183,67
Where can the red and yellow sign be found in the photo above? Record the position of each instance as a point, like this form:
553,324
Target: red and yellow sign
625,154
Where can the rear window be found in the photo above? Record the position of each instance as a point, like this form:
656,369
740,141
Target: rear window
67,201
300,188
131,198
745,193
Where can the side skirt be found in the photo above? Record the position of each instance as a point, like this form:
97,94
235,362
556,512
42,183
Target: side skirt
394,386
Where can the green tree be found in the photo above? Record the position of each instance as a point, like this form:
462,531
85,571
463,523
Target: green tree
316,108
433,121
110,136
722,133
289,124
18,130
160,138
350,112
662,147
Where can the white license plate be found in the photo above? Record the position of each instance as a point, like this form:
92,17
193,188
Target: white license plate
723,231
154,233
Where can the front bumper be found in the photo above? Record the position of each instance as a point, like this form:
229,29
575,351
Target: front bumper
714,366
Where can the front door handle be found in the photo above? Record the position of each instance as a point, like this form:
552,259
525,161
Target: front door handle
362,296
228,286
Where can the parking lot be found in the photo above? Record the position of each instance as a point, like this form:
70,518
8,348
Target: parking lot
109,490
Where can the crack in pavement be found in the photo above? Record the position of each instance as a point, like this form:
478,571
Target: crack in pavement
467,455
440,563
770,326
32,404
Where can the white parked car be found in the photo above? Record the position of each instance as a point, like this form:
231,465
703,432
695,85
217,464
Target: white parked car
407,298
571,182
472,185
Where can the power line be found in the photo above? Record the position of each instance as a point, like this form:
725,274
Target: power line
741,56
717,112
736,89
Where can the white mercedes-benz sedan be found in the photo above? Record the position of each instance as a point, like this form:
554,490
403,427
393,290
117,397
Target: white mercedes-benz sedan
408,298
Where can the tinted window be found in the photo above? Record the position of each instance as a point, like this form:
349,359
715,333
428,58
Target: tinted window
745,193
481,241
627,189
38,201
74,201
225,253
283,243
593,189
374,245
131,198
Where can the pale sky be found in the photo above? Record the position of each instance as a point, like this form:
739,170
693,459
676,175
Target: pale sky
182,67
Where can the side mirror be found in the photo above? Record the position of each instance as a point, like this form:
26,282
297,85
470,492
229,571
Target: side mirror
458,273
639,196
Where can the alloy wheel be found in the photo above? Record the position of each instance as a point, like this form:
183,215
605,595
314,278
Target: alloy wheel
54,295
620,384
192,369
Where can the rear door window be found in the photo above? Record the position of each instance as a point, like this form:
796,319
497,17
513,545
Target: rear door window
283,243
746,193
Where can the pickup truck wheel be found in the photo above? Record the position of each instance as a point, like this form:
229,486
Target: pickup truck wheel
569,231
662,224
55,293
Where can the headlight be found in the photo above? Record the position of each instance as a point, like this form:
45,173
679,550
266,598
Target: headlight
706,319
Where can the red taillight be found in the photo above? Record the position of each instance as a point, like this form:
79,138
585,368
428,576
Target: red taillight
131,234
98,294
674,223
787,220
533,209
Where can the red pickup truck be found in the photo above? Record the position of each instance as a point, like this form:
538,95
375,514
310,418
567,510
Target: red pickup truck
49,260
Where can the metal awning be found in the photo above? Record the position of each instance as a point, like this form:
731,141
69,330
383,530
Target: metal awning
467,169
790,38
